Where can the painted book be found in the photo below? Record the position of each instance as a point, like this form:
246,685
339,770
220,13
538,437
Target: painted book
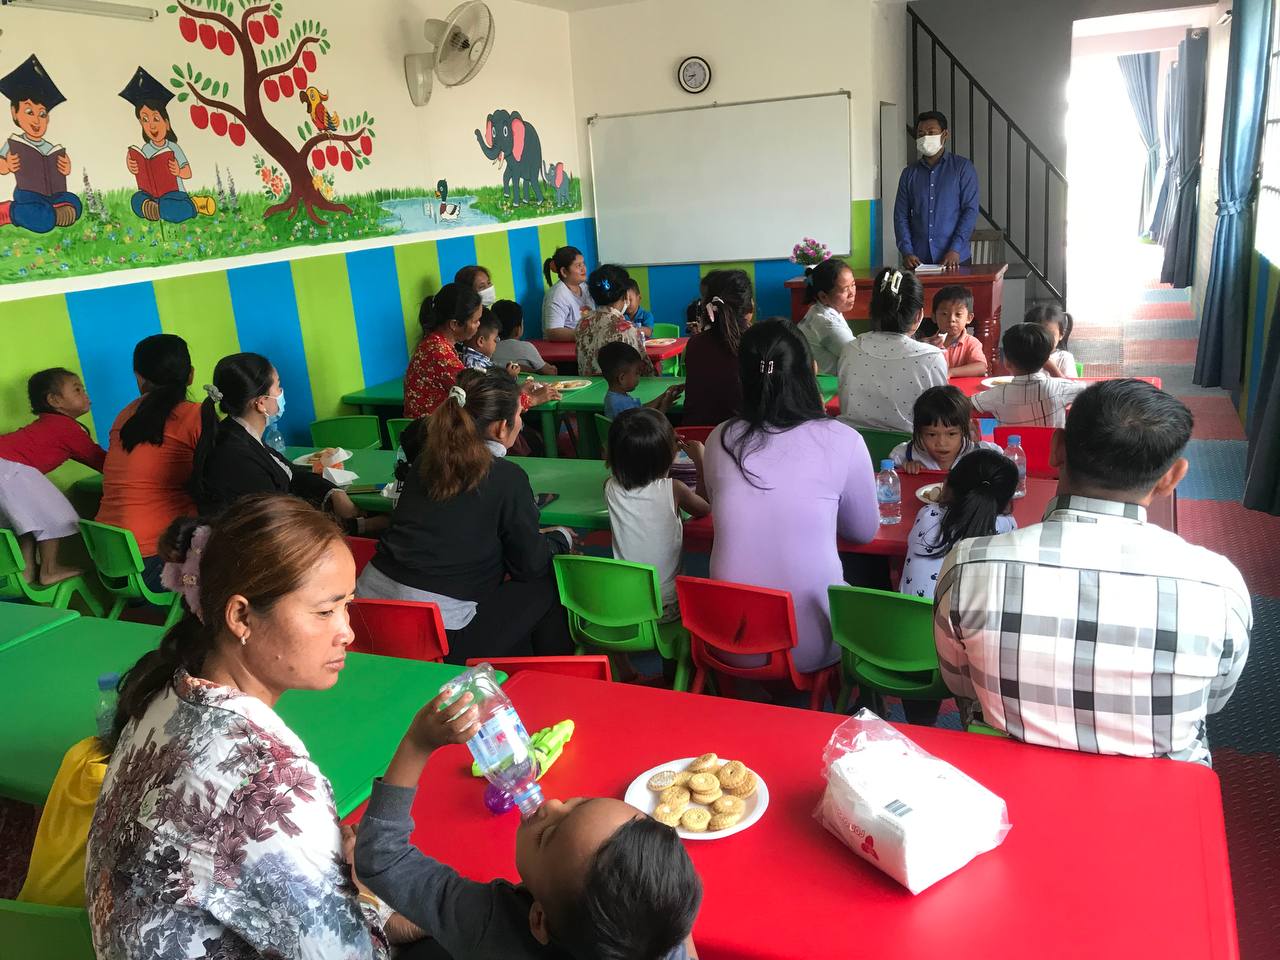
154,178
38,173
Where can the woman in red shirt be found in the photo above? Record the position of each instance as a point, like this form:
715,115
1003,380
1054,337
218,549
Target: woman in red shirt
32,507
712,389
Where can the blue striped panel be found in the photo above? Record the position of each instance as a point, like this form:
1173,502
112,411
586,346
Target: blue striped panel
582,234
107,324
375,297
455,253
526,274
772,298
670,290
267,323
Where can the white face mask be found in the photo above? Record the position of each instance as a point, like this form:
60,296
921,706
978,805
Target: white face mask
488,296
929,146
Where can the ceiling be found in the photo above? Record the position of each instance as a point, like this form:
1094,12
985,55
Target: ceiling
572,6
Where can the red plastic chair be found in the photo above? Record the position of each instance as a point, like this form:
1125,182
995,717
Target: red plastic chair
587,666
362,549
694,433
739,619
399,628
1035,444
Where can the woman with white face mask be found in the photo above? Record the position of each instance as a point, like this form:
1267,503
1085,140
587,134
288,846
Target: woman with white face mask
480,280
937,203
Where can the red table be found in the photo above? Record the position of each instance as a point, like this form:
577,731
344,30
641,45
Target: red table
971,385
566,351
1108,857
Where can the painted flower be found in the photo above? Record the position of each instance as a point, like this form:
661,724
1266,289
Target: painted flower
266,175
317,181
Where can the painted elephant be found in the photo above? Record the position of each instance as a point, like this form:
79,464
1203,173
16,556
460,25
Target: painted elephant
557,178
509,140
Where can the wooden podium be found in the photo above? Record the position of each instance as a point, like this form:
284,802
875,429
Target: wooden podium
985,280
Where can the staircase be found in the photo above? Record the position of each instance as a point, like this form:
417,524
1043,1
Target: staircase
1021,193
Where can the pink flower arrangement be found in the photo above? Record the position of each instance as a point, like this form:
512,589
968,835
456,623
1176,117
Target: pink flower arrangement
810,252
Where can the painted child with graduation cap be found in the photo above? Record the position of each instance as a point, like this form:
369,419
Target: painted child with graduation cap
41,200
162,195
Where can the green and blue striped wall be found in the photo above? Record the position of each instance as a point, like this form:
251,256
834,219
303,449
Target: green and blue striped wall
330,323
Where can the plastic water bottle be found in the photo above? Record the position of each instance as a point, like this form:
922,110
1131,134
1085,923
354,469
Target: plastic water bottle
501,745
273,438
1015,453
889,493
105,714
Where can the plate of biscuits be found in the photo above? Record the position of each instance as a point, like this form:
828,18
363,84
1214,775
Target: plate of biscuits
704,798
571,384
996,381
930,493
661,342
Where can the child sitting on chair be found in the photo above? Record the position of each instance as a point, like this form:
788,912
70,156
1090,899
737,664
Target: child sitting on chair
477,352
1059,323
941,432
622,367
952,314
598,877
511,348
1032,398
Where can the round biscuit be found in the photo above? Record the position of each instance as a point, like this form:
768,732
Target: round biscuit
732,774
711,796
723,821
695,819
661,780
729,804
702,783
665,813
705,763
677,797
744,789
682,778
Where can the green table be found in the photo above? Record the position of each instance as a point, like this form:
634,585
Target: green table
371,399
51,691
21,621
580,484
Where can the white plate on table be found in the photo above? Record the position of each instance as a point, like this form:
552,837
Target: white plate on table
571,384
661,342
642,798
920,494
996,381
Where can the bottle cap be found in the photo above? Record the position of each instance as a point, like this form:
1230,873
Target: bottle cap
108,681
1015,438
886,464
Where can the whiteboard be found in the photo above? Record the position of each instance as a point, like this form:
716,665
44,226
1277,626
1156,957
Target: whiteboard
722,183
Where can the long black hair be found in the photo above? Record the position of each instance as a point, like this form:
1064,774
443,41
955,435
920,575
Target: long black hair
164,363
239,379
607,284
453,301
779,390
978,490
1047,313
897,297
562,259
161,109
729,302
823,278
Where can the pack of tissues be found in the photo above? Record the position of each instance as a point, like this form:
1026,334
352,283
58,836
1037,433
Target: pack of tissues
902,809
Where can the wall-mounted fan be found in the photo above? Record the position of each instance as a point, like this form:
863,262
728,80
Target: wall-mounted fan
459,47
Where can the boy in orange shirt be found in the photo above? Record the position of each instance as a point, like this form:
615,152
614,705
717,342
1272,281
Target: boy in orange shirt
952,313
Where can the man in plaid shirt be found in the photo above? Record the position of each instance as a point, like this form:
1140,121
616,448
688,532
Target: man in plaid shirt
1095,630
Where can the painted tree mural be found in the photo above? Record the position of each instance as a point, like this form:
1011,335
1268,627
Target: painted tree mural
276,67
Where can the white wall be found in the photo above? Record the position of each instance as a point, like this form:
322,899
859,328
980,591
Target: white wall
625,59
92,58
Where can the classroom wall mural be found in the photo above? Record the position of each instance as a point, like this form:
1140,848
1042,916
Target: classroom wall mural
250,127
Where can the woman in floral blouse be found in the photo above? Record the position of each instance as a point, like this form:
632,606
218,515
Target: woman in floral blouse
215,835
607,322
447,319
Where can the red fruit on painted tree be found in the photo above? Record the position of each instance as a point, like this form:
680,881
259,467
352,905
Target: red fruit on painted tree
188,28
218,123
271,89
317,158
271,25
199,116
286,86
208,36
309,61
236,132
331,152
226,42
366,144
256,33
348,161
300,78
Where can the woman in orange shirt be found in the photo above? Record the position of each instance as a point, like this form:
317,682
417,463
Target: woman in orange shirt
153,441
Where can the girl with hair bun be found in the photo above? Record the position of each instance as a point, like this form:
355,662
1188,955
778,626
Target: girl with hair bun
608,322
215,833
829,290
465,532
568,300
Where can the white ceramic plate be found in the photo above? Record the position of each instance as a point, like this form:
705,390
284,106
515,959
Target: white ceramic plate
996,381
661,342
920,494
572,384
642,798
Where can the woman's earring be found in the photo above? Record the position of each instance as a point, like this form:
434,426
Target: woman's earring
244,641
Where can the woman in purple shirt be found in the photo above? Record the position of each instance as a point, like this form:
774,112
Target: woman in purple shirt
785,482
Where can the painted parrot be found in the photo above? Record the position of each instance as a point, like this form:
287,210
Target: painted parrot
321,116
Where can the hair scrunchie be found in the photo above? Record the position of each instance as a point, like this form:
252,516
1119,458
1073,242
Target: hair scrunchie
458,394
711,308
214,393
184,577
892,281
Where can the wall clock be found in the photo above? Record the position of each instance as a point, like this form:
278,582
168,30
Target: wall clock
694,75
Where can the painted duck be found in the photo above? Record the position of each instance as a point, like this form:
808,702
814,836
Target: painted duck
447,211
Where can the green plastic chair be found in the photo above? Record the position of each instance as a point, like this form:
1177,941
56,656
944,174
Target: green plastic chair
603,424
35,930
886,642
1079,369
395,428
115,553
880,444
614,606
660,332
353,433
59,596
986,731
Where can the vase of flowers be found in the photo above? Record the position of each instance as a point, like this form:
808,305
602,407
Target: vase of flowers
810,252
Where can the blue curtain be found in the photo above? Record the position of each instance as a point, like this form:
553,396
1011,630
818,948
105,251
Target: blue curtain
1162,218
1141,77
1262,483
1220,356
1180,244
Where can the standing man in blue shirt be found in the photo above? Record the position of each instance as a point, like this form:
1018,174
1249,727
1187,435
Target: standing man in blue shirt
937,203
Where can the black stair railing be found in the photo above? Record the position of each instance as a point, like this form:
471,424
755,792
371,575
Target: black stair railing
1033,215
